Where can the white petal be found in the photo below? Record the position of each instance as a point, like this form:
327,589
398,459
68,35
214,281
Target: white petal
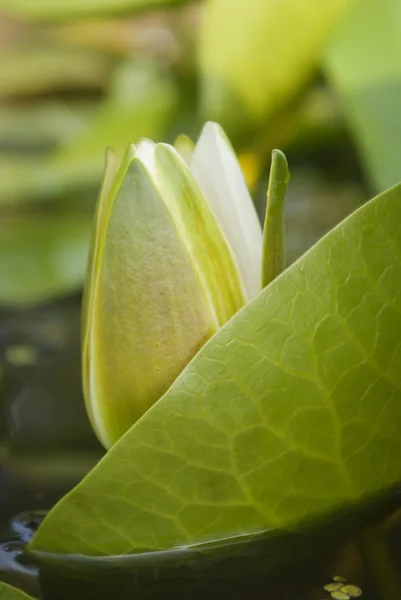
145,151
217,170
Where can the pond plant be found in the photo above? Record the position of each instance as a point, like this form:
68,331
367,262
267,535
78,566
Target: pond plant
238,399
8,592
177,252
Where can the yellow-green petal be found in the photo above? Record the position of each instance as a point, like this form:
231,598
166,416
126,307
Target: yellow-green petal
150,313
211,254
114,173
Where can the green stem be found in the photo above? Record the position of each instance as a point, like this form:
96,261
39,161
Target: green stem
379,563
273,258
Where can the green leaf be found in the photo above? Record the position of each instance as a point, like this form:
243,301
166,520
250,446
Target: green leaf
42,255
255,55
290,412
364,64
67,9
7,592
273,262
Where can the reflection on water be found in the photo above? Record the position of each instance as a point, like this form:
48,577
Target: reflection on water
15,571
26,524
15,567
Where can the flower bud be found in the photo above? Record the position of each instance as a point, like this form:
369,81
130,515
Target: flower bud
175,253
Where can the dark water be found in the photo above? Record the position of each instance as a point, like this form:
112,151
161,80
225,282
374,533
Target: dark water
46,443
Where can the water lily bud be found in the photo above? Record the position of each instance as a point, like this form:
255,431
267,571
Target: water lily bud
176,252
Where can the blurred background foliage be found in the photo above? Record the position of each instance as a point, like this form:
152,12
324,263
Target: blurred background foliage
79,75
319,79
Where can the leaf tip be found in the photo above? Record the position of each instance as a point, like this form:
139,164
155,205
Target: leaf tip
280,164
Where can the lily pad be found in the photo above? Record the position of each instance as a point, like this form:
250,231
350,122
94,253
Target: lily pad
7,592
38,69
367,78
142,102
247,64
291,412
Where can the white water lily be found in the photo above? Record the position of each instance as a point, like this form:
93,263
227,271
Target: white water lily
176,252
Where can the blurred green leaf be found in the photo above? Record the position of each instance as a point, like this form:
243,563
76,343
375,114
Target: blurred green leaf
7,592
291,412
40,125
67,9
46,68
142,103
364,64
42,255
255,55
